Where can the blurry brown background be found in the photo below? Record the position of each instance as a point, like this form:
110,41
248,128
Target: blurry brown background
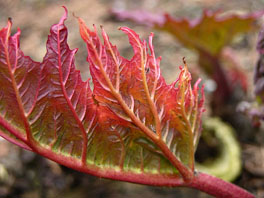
26,175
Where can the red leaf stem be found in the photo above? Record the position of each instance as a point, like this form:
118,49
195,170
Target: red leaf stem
218,187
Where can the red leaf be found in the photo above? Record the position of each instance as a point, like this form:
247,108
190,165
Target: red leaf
132,126
64,108
45,104
19,80
135,91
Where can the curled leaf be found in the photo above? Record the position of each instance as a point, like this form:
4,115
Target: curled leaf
227,164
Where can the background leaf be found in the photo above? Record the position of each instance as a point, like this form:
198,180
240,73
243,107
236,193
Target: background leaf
209,33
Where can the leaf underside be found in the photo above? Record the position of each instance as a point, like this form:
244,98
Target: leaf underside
132,126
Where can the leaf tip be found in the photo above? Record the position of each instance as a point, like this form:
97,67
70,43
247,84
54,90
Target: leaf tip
10,20
7,28
183,60
65,16
83,29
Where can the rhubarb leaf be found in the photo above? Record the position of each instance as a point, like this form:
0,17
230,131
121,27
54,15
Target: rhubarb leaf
135,91
132,126
209,33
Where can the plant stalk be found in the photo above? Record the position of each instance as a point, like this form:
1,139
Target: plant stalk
218,187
